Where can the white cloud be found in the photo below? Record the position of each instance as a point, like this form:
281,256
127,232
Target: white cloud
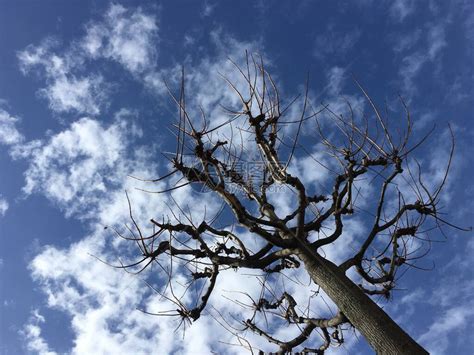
9,134
335,78
3,206
460,90
129,37
83,170
102,303
207,8
467,8
453,320
401,9
42,57
210,91
313,167
408,41
436,40
453,303
65,91
447,299
32,334
411,66
430,52
74,167
335,41
67,94
126,36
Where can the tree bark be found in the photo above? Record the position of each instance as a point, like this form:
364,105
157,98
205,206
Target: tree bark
381,332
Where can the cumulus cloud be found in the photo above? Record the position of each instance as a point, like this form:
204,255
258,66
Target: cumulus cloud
74,167
100,300
102,303
460,90
467,8
314,168
9,134
43,58
84,170
127,36
85,95
65,91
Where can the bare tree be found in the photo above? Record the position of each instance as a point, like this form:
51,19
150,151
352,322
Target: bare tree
365,152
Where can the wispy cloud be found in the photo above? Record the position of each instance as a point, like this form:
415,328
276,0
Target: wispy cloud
408,41
335,42
436,40
429,52
335,78
3,206
450,299
455,309
34,342
460,90
401,9
207,8
468,9
453,320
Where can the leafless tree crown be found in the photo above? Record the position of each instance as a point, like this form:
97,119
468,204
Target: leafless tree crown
365,153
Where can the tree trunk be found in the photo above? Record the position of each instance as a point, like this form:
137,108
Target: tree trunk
382,333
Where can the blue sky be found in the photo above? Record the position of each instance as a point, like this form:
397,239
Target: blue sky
83,105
